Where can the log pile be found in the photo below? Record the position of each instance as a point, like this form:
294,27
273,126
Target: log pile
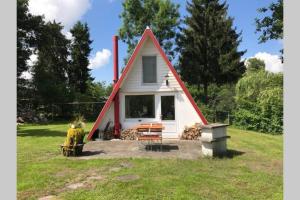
192,132
129,134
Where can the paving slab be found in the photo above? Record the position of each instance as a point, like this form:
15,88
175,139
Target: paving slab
183,149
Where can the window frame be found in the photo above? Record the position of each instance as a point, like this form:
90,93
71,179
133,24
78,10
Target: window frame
136,118
156,72
161,107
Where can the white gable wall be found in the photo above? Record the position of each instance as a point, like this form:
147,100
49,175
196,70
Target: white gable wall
185,114
134,80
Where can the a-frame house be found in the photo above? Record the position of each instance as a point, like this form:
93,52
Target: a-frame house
149,90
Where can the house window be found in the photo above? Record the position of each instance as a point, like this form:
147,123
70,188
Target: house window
167,108
139,106
149,69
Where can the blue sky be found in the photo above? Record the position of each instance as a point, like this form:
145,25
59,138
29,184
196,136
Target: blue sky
102,17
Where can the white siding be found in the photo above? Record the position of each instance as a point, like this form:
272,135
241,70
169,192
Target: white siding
185,114
134,80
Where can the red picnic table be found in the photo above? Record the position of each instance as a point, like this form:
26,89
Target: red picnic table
150,132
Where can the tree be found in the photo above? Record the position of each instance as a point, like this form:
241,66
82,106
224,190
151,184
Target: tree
208,46
96,92
259,100
50,71
271,26
28,27
255,64
28,32
78,72
161,15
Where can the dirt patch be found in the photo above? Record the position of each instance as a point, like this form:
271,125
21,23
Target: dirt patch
114,169
126,164
274,166
95,178
127,178
49,197
75,186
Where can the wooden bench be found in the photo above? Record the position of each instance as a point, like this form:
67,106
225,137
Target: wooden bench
150,132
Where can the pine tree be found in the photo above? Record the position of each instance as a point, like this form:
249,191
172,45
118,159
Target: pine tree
79,73
208,46
28,27
50,71
161,15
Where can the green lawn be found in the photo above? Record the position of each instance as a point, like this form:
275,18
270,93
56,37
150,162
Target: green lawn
254,172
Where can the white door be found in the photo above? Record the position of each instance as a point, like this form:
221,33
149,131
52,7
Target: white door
168,115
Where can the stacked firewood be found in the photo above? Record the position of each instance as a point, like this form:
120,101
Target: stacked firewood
129,134
192,132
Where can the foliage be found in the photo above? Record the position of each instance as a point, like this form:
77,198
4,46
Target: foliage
78,122
220,101
221,98
271,27
271,106
74,137
28,33
161,15
50,71
251,85
254,64
259,99
208,46
28,29
95,92
78,72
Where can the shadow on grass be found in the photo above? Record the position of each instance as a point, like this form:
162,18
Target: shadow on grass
231,154
41,133
165,147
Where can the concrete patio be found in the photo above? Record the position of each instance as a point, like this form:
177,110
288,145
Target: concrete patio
183,149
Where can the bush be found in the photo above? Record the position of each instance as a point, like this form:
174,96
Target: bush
259,99
220,103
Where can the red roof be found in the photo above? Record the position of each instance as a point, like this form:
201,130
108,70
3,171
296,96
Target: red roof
147,33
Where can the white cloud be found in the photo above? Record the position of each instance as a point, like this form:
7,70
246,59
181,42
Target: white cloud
65,11
32,59
100,59
273,62
30,62
68,35
26,75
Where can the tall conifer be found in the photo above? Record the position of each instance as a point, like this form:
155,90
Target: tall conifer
208,45
79,73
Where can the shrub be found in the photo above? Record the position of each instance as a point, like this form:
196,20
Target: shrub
259,100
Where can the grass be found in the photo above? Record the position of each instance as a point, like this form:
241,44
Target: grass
253,172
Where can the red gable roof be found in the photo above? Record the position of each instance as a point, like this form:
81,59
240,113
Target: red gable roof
147,33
